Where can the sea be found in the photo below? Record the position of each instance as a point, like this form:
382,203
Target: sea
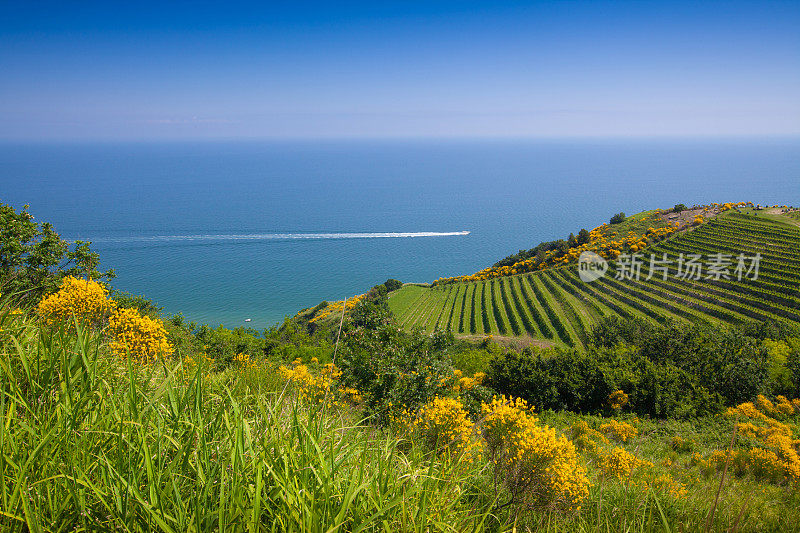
246,233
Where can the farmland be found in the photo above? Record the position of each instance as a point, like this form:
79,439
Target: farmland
555,305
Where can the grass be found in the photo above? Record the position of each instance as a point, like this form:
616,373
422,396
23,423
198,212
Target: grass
556,304
91,442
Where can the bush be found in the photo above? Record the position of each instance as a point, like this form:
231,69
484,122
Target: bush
671,370
678,208
618,218
392,284
394,370
444,426
223,344
540,468
34,259
144,305
138,336
79,299
555,378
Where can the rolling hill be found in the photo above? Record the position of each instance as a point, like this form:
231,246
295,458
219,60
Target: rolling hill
554,305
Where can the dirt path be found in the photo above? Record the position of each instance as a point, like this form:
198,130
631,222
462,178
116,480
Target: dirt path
517,343
779,213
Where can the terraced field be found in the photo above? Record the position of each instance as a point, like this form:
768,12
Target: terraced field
556,305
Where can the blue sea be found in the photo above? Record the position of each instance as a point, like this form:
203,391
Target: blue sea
225,231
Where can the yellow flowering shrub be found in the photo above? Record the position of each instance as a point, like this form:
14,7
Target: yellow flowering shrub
464,383
243,360
138,336
352,395
772,451
86,300
337,307
619,431
619,463
585,438
540,468
679,444
191,364
317,388
617,399
784,408
666,484
445,426
764,405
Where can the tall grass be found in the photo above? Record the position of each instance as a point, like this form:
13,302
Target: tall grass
92,444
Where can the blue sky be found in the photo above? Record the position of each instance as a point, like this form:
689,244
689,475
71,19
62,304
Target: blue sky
195,70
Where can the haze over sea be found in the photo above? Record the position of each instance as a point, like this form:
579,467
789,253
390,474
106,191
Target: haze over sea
224,231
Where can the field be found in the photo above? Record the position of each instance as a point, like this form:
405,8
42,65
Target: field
555,305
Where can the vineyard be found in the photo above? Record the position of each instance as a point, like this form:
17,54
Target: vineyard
555,305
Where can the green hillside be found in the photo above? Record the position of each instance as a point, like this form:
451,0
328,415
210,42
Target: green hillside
555,305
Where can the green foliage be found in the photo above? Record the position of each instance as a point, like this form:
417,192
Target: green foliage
793,366
223,344
392,368
679,207
572,241
34,258
471,359
673,370
144,305
392,284
537,251
395,369
618,218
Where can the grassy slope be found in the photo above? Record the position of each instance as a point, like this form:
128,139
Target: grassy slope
90,443
576,305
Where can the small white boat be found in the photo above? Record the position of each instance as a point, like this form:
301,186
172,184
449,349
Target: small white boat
248,319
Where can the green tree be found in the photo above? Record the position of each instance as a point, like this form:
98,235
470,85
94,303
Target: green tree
392,284
572,241
583,236
34,258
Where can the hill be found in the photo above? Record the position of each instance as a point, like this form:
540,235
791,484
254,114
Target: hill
553,303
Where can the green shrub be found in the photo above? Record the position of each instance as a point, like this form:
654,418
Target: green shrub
392,284
675,369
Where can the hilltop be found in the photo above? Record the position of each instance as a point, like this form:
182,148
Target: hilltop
547,300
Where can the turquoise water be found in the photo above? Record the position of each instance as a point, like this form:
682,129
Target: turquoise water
233,230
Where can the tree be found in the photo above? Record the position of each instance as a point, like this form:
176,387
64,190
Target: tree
392,284
34,258
583,236
619,217
572,241
678,208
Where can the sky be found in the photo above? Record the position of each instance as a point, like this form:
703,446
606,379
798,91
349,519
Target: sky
284,70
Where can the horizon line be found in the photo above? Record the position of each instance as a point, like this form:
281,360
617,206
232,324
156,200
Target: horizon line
400,138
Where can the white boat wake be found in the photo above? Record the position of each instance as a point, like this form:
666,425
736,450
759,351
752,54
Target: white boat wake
277,236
